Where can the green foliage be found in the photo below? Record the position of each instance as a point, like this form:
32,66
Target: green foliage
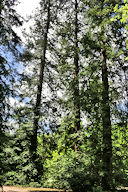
67,172
120,154
22,170
4,140
55,172
8,42
122,12
122,16
56,164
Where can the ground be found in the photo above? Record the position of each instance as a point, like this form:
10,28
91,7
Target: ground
32,189
28,189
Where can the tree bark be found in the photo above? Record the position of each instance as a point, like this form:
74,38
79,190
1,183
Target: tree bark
76,78
39,88
107,141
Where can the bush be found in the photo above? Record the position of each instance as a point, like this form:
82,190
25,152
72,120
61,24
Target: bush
63,171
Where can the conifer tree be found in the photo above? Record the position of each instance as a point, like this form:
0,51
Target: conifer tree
101,46
107,134
76,76
39,47
41,76
8,40
67,67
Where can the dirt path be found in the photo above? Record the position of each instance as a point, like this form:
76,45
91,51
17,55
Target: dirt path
28,189
32,189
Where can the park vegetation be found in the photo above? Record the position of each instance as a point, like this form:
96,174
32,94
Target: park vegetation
64,96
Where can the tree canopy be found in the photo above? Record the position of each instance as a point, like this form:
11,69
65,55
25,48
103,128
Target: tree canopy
67,127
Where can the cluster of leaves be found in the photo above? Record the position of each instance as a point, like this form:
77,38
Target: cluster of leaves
120,155
122,15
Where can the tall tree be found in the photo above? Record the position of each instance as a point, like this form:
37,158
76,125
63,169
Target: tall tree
103,36
76,75
39,87
39,47
67,66
107,135
8,40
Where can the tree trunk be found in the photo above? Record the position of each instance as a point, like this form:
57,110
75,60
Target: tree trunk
76,78
107,141
39,88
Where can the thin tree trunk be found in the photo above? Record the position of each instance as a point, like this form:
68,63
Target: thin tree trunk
107,141
39,88
76,78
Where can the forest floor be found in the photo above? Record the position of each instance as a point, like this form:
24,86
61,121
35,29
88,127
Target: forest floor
28,189
33,189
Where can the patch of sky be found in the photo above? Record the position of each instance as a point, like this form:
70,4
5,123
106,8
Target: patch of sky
12,61
123,106
26,100
14,70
